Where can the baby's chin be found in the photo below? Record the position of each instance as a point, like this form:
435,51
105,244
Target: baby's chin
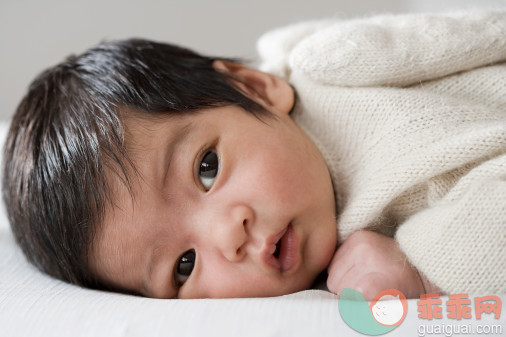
297,284
304,283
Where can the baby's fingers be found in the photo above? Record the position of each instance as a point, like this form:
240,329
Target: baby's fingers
371,284
339,267
338,272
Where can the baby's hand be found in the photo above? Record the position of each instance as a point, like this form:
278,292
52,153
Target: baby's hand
369,263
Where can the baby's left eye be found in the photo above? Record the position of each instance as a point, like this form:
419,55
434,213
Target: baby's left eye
208,169
184,267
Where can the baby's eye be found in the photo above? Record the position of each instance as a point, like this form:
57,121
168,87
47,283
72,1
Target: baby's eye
184,267
208,169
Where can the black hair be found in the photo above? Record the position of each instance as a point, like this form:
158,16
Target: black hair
68,129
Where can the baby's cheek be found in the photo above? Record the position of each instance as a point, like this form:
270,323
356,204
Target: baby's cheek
321,248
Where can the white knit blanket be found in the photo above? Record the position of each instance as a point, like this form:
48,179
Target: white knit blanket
410,115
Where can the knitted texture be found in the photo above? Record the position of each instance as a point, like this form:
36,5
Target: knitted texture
409,113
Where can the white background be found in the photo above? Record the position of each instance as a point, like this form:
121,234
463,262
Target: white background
35,34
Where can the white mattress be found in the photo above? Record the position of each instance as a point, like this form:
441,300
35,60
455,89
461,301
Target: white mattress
33,304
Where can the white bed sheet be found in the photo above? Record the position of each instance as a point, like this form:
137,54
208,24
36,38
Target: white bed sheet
33,304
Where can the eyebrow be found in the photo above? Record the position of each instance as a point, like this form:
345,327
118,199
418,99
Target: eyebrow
179,137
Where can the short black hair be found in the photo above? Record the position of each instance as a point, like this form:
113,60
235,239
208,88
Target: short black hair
68,129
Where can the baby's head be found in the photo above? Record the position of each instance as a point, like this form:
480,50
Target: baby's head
146,168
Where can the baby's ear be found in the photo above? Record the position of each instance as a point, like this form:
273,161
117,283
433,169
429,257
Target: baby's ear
272,92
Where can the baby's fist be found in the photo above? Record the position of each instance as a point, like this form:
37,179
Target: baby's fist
369,263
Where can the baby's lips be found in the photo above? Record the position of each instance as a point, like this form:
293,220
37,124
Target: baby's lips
270,248
289,254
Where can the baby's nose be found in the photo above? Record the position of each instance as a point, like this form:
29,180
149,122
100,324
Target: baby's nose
231,232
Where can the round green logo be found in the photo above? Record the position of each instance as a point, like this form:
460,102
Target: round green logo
385,313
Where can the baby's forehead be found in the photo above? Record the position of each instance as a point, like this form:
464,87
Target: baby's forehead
180,124
140,127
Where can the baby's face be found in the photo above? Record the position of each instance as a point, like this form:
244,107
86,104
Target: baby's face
224,205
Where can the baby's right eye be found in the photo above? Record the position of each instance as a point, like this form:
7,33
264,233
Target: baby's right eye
208,169
184,267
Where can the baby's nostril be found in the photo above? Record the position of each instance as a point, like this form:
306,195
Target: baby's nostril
245,222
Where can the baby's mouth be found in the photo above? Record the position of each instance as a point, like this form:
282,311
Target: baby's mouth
278,249
284,254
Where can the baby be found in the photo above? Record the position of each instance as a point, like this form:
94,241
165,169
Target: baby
145,168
